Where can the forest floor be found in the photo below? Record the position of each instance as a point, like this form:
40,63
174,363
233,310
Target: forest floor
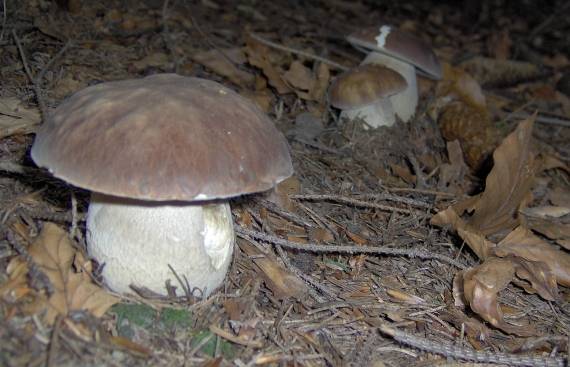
440,241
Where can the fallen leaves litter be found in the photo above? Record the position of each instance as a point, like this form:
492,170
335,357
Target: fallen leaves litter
523,243
72,287
16,117
282,283
520,256
224,62
481,285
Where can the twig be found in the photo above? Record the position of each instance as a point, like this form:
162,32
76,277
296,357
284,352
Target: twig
540,118
346,249
351,201
211,43
455,351
4,17
298,52
166,36
37,80
312,283
292,217
54,342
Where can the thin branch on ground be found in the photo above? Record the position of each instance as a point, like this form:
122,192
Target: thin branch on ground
347,249
36,81
351,201
454,351
297,52
4,18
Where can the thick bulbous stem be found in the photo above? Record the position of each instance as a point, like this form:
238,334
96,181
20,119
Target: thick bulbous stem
138,242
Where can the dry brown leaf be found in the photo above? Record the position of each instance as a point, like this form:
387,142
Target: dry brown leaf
559,196
405,297
319,90
551,221
16,117
500,45
476,241
257,56
124,343
262,98
218,61
476,331
299,76
457,82
358,239
282,283
403,172
508,183
53,253
321,235
539,275
523,243
452,175
481,285
156,60
281,193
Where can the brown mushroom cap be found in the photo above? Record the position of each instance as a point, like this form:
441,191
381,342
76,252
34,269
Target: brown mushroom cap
163,137
364,85
401,45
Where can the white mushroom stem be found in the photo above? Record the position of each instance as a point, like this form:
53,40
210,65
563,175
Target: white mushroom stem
375,115
404,103
136,241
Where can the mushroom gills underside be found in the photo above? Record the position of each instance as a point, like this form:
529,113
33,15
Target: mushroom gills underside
404,103
136,241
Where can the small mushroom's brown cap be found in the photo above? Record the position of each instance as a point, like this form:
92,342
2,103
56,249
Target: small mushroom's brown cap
401,45
364,85
164,137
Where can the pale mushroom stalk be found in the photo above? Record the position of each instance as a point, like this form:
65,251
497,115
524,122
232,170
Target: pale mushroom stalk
144,242
374,115
404,103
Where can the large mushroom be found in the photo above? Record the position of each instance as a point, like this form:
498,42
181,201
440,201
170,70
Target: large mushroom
162,155
365,92
403,53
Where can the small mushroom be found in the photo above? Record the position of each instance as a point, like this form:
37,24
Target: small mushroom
162,155
365,92
403,53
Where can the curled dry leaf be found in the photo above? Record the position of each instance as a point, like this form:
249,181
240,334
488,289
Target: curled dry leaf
257,55
458,83
224,62
405,297
299,76
323,77
73,289
551,221
523,243
452,174
481,286
506,190
282,282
